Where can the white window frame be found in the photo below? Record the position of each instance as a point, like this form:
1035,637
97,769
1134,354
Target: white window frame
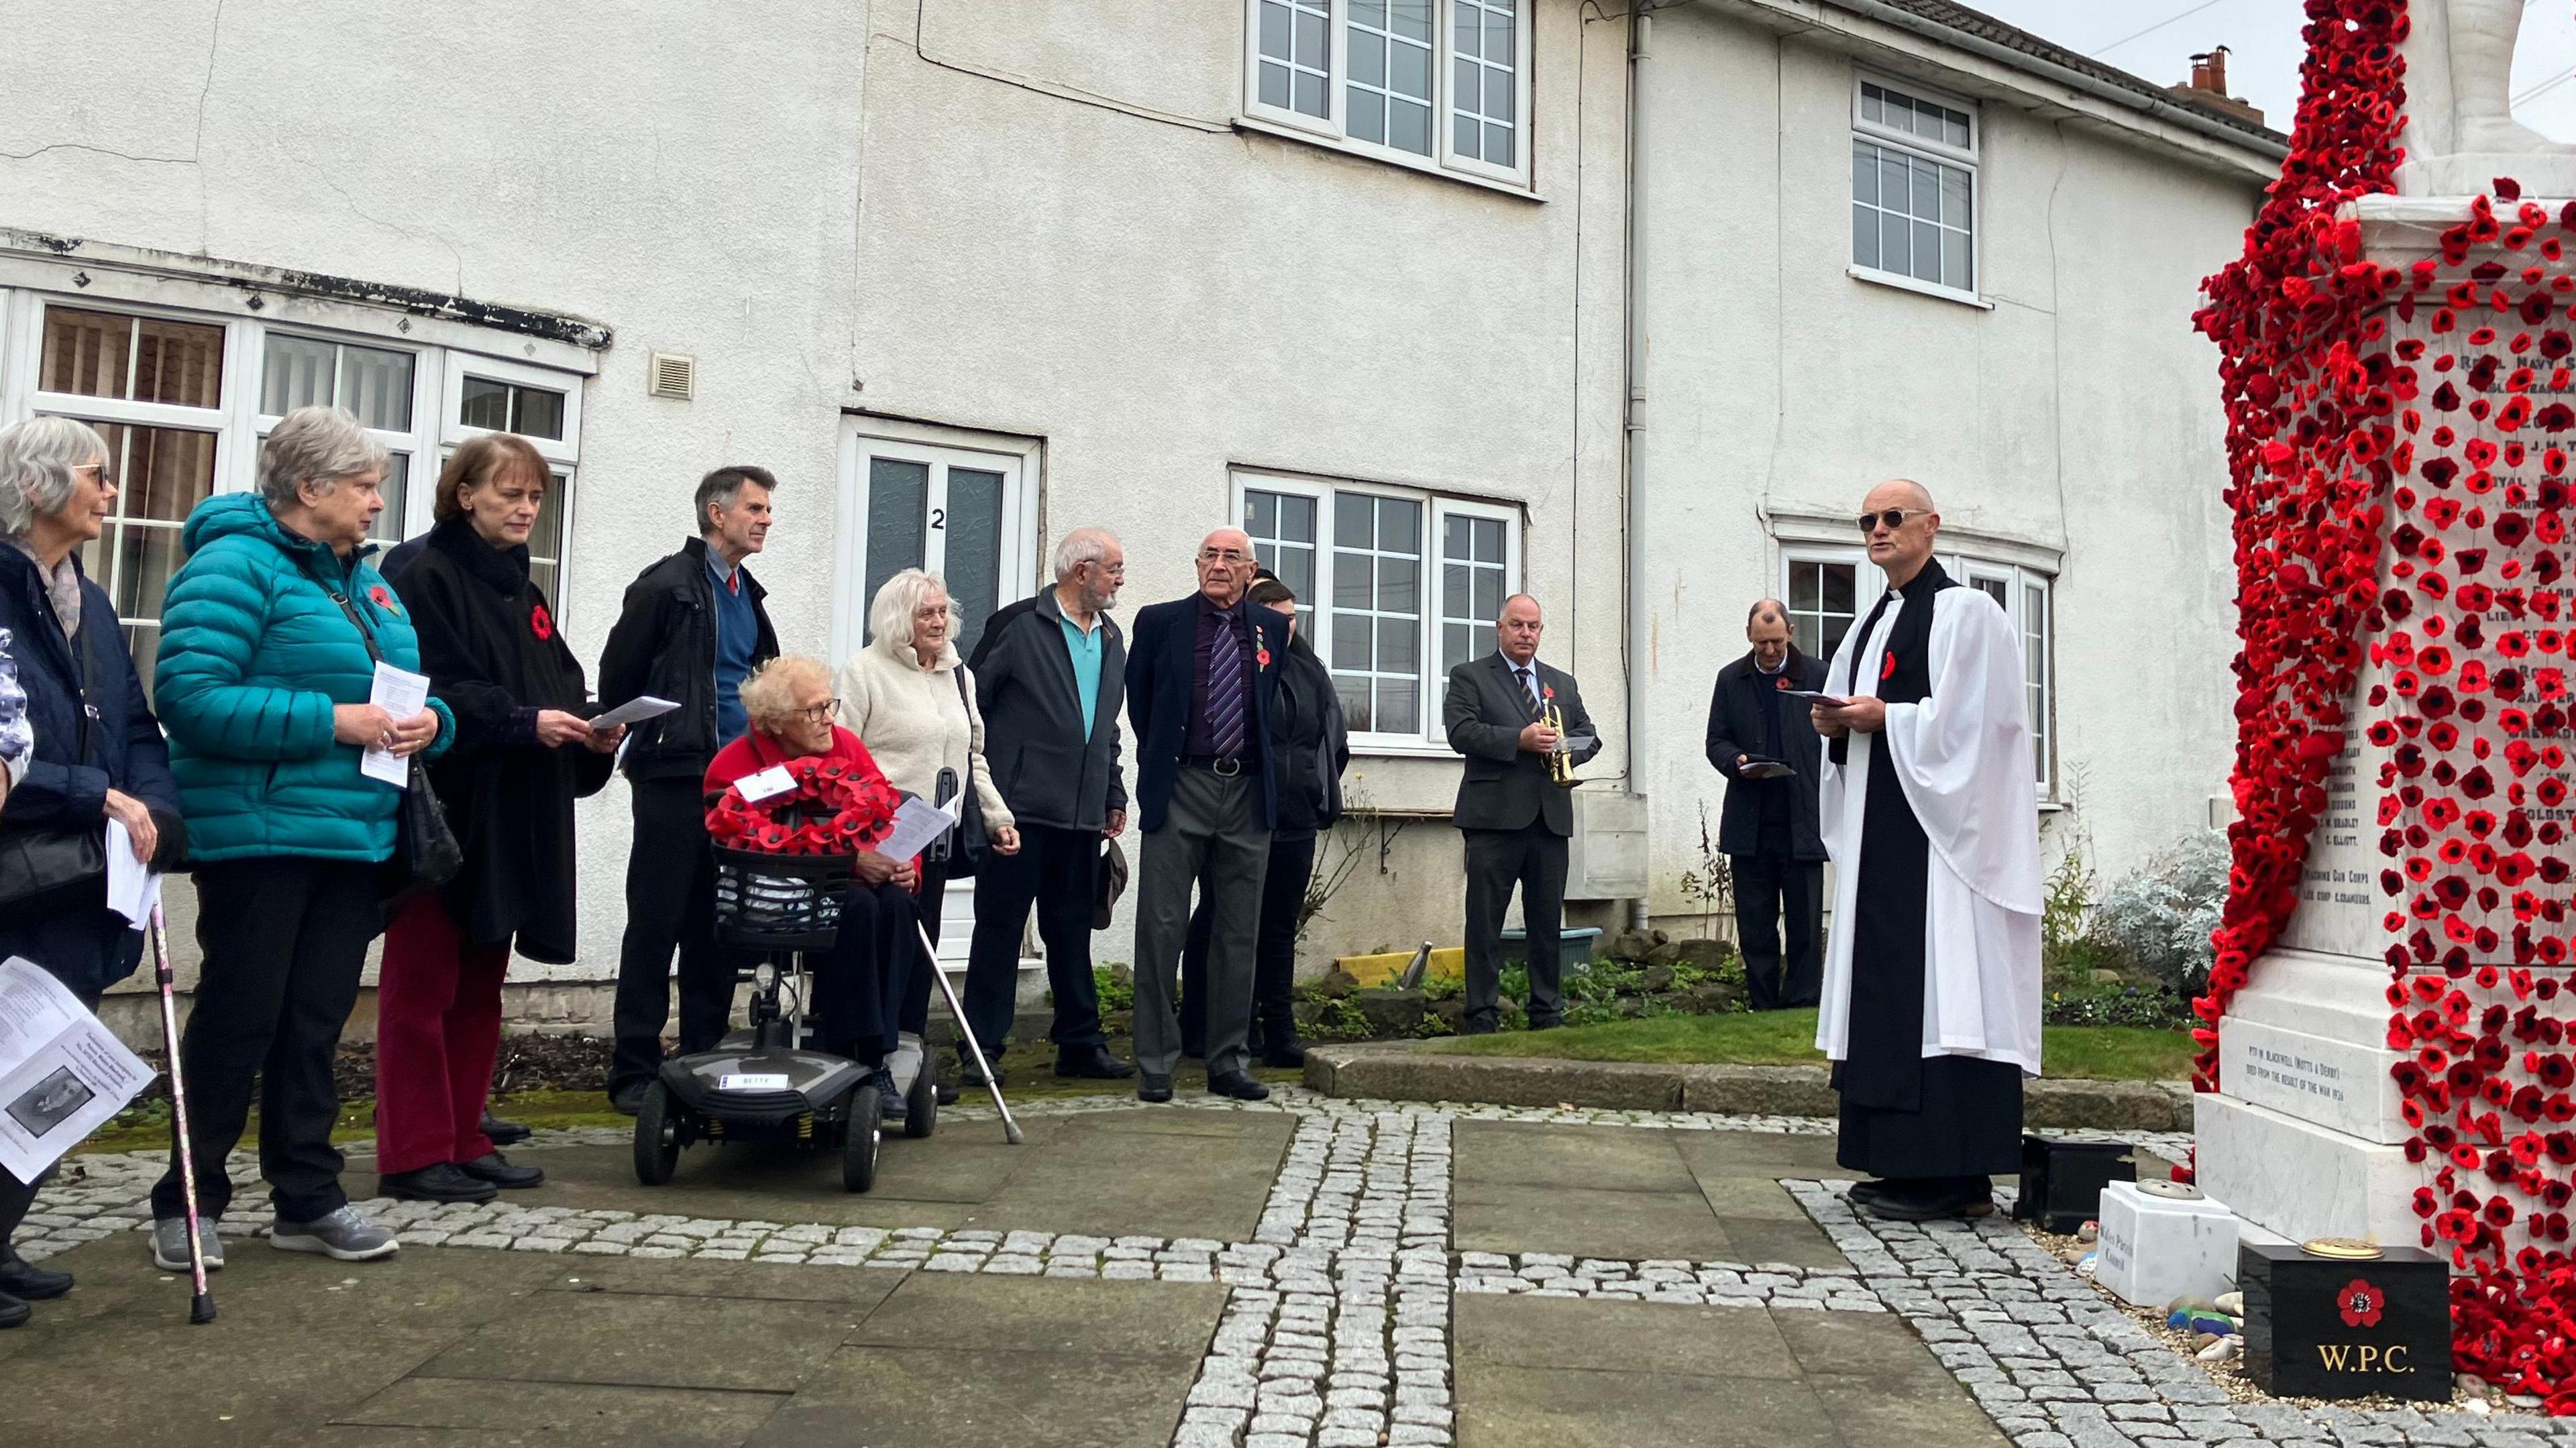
1333,128
1968,570
1964,158
440,359
1431,740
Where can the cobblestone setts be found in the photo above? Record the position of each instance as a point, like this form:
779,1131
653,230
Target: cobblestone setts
1336,1325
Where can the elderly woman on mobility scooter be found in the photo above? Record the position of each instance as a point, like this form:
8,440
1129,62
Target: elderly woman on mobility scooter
793,807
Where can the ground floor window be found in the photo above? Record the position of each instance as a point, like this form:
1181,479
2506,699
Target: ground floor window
1395,587
1828,589
185,399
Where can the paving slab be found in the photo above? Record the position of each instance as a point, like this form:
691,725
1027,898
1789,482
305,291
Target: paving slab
940,1398
298,1340
653,1341
1561,1332
1633,1225
1114,1173
1635,1192
438,1410
1043,1315
1515,1153
1521,1407
698,1277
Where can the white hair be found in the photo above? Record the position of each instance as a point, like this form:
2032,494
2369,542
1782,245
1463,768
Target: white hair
317,445
1081,546
37,457
898,599
769,695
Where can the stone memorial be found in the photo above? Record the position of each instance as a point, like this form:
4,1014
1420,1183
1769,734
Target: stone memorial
2319,1327
2154,1249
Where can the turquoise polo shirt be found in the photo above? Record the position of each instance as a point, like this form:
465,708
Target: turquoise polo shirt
1085,649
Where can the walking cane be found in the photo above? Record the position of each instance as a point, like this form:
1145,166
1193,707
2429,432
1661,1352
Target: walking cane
201,1308
965,1032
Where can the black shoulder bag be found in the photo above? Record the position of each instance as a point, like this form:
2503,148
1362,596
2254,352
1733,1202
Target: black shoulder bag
966,844
39,863
426,854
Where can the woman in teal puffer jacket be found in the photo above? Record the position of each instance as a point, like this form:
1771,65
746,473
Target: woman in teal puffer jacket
263,682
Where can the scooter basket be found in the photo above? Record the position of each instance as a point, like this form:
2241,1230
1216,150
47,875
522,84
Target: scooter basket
779,902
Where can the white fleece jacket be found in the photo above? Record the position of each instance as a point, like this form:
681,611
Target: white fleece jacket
915,724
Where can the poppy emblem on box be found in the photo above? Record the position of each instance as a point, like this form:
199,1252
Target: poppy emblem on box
2360,1303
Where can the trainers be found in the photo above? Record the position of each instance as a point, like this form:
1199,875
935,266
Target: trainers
343,1236
170,1244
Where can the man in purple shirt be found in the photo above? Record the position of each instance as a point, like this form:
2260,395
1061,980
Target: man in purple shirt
1201,672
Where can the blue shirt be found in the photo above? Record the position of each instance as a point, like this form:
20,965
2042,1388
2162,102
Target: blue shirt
737,634
1085,649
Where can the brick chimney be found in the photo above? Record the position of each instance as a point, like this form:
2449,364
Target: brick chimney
2208,87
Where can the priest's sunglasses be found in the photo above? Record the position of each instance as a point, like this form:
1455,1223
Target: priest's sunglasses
1894,518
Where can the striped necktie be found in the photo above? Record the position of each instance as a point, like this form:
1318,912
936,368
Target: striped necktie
1225,688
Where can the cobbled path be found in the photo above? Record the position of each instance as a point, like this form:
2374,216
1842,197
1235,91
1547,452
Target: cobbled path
1336,1329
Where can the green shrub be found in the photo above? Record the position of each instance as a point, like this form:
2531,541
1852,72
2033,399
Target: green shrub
1115,994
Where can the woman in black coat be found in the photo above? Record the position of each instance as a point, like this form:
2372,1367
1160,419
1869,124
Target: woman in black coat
524,751
57,487
1309,747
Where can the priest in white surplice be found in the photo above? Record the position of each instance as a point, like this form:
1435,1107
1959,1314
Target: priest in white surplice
1931,997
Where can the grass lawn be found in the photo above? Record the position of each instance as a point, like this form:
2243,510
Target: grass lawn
1787,1038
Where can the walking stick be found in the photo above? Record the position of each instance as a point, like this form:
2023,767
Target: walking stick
201,1308
965,1032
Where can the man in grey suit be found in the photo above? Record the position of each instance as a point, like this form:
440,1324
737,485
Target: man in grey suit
1511,811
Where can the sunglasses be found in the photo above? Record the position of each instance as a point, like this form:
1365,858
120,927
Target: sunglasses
1894,518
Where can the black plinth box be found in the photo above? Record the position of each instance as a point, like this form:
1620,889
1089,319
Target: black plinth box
2319,1327
2062,1181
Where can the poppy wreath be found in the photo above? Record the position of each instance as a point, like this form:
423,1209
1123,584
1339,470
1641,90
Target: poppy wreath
2399,481
832,810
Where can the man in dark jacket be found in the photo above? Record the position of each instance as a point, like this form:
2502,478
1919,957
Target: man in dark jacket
1509,713
1768,829
1050,675
1200,679
691,629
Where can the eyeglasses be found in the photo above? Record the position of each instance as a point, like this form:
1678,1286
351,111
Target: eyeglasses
1894,518
820,713
106,479
1224,555
1112,570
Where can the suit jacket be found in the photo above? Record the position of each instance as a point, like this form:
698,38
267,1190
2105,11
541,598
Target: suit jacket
1033,741
1162,658
1505,787
1735,727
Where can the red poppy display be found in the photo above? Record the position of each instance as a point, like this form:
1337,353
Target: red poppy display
2400,509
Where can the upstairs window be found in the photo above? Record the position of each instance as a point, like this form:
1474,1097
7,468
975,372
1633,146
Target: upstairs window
1914,189
1434,84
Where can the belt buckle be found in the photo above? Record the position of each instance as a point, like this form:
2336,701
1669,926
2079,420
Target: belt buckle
1226,768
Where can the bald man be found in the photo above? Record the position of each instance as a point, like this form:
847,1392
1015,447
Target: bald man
1201,674
1502,711
1761,740
1930,1013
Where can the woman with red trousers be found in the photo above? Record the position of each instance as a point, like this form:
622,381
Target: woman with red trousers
524,751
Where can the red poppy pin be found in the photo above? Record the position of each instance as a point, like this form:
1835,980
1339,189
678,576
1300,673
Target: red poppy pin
540,622
1781,682
1262,656
382,597
1887,670
2360,1303
1547,691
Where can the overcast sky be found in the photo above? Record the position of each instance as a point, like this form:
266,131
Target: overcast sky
2157,38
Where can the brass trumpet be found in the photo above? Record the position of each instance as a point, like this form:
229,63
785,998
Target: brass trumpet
1560,764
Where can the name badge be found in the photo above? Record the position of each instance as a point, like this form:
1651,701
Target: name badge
767,784
752,1081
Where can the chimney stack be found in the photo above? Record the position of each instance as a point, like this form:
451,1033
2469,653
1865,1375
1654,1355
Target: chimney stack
2208,86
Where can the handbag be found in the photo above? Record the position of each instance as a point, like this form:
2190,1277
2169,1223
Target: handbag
968,841
426,854
41,862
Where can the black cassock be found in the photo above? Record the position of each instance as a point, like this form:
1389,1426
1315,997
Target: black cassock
1905,1114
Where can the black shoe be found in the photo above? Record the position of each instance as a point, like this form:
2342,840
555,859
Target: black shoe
967,1073
439,1183
890,1107
13,1313
1546,1023
1931,1201
504,1133
1285,1051
1237,1085
1154,1086
1091,1063
28,1282
1863,1193
628,1099
495,1168
946,1091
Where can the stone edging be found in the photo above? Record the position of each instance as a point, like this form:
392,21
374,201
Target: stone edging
1405,1071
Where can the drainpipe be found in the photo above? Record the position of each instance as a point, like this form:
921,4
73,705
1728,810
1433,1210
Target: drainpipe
1633,400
